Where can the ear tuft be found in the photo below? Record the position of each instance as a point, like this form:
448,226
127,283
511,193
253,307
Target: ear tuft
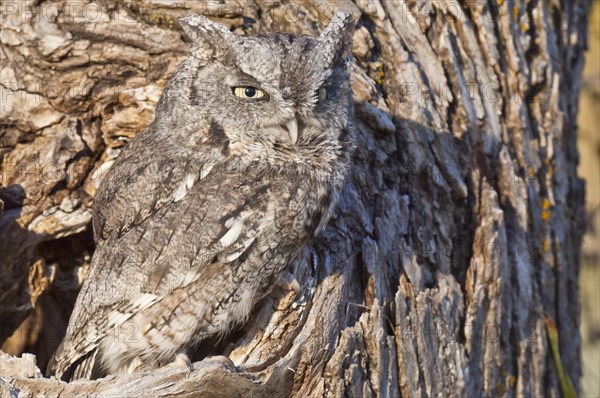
336,39
210,40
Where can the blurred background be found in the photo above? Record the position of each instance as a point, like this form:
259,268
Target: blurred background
589,168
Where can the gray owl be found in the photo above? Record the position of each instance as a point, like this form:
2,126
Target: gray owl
203,211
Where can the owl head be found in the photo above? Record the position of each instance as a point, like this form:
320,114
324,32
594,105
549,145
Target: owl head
280,89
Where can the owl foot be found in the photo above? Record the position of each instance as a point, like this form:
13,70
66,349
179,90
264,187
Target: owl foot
181,360
134,366
288,282
225,361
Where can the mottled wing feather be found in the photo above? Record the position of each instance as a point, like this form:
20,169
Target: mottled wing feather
214,221
139,183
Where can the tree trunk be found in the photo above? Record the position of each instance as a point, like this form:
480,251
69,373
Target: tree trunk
451,266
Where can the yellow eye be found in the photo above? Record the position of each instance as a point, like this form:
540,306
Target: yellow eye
248,92
322,94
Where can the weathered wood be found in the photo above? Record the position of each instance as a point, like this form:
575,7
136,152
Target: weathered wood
459,229
209,378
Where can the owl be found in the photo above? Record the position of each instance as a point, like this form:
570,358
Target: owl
202,213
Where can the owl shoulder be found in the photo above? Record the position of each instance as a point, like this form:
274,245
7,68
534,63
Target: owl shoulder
148,175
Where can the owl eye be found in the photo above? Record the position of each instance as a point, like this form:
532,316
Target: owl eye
248,92
322,94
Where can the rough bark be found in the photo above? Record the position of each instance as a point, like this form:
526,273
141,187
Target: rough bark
457,233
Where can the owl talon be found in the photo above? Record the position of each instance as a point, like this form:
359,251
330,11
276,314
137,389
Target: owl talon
182,359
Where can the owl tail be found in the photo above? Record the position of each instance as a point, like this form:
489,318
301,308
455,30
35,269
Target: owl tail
85,367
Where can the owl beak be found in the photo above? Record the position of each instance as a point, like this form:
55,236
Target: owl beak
291,128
